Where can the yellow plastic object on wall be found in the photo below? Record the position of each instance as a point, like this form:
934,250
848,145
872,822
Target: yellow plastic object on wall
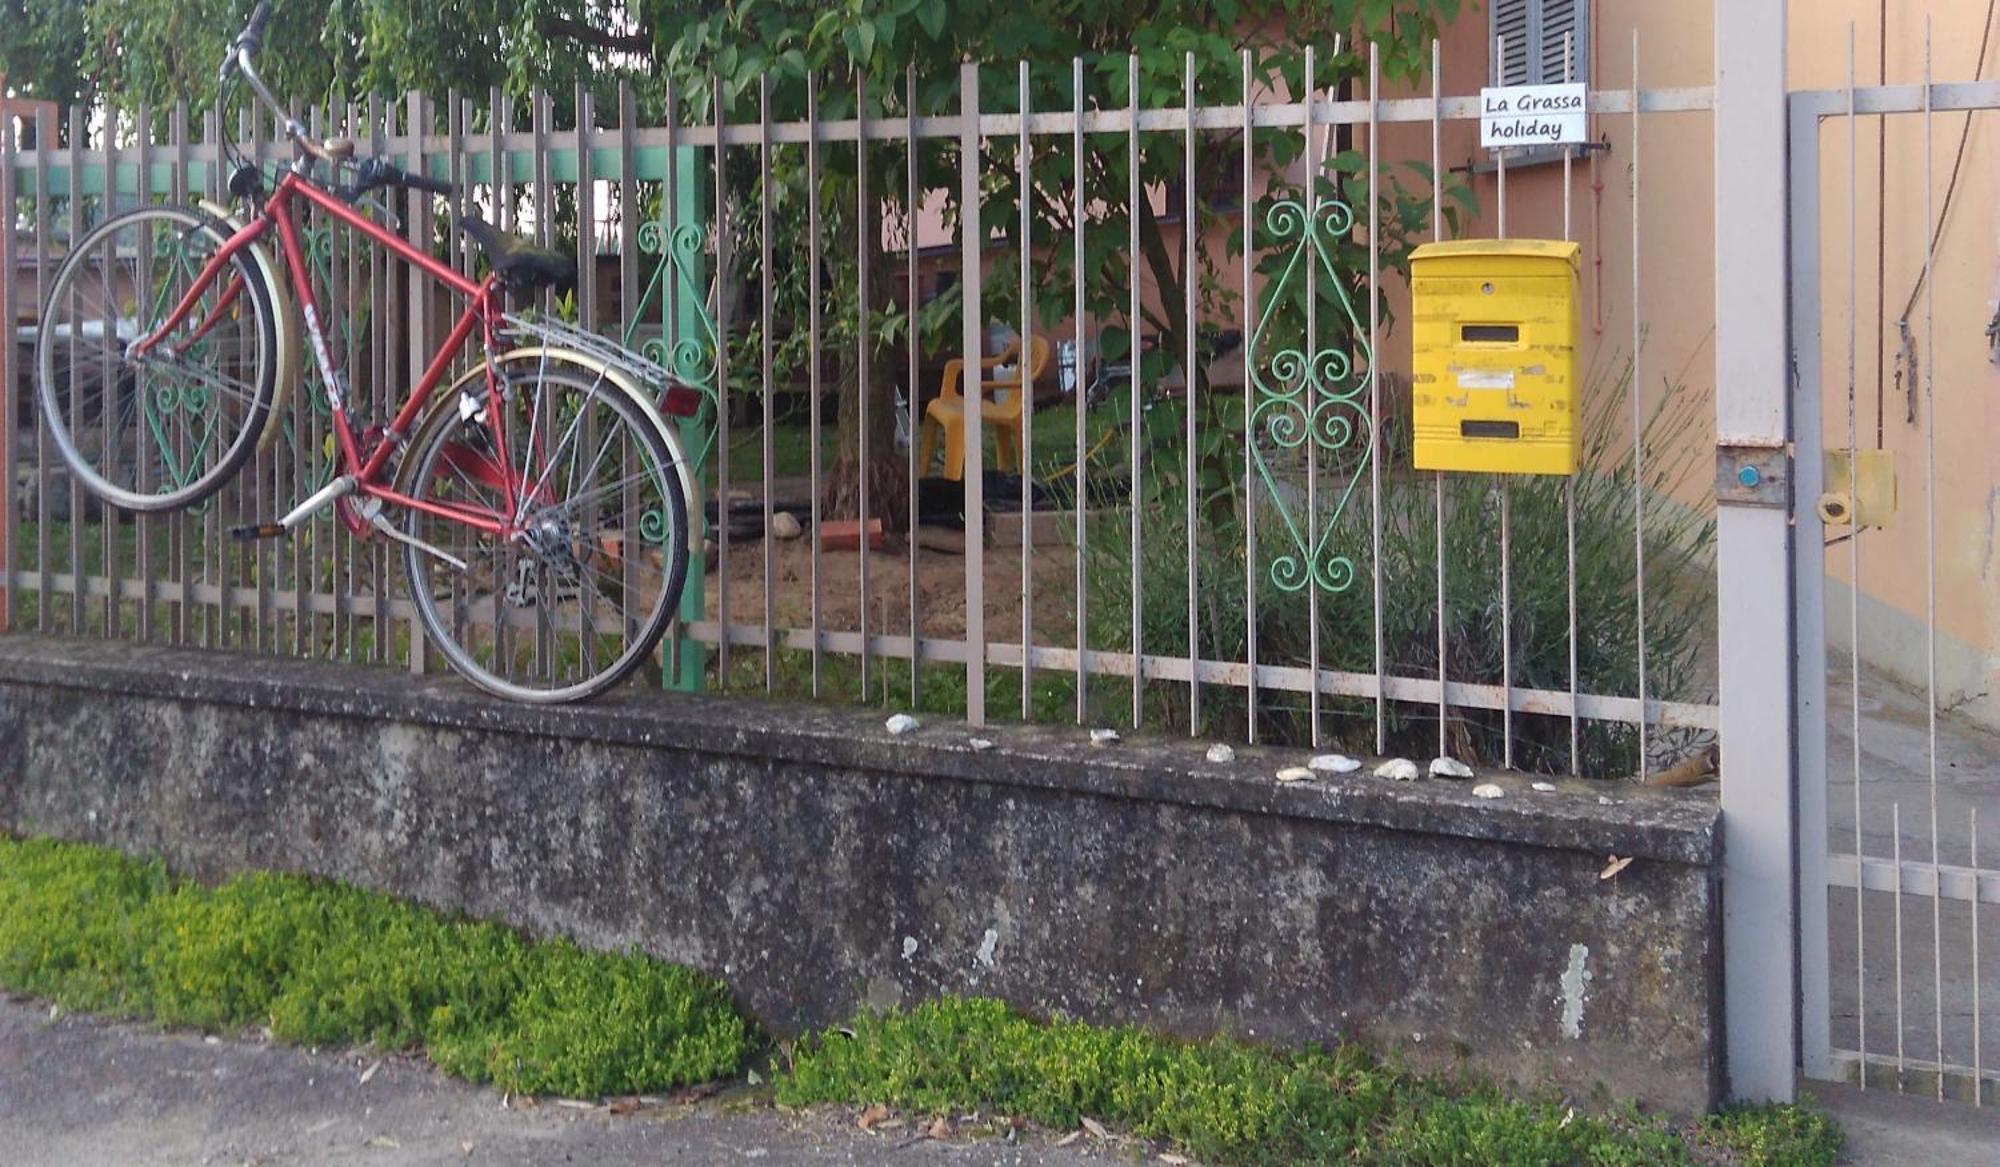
1495,331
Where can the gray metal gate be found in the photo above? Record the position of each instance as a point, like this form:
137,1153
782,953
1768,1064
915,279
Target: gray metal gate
1894,905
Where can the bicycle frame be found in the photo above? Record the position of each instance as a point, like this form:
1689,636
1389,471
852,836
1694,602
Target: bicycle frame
482,311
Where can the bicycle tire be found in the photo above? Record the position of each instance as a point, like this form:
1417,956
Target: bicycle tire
476,618
176,401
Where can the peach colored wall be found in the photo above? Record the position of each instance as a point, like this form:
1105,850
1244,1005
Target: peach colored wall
1865,287
1675,293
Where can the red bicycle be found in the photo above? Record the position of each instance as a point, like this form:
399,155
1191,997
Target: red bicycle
542,500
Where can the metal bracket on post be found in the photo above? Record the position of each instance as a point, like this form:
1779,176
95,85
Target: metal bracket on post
1757,475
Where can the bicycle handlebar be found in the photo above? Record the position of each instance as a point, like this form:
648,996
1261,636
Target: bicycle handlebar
239,60
251,39
374,173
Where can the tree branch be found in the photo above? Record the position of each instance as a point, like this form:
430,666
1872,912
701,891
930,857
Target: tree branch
563,28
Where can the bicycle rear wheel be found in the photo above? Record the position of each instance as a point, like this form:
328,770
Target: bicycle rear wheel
165,430
579,594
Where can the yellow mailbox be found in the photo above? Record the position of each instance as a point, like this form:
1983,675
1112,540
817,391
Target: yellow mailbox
1494,326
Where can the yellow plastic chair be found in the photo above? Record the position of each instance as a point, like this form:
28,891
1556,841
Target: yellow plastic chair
946,413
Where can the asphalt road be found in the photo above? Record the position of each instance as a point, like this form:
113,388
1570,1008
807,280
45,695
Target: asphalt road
78,1090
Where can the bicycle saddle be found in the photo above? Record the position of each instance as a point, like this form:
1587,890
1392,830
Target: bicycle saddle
522,266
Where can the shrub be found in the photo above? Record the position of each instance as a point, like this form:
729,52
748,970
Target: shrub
1679,591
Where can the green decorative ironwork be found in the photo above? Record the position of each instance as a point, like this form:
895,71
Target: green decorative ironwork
170,402
1309,397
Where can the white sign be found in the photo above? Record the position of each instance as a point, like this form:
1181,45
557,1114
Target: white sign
1532,115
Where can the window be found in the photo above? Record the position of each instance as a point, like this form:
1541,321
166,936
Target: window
1530,40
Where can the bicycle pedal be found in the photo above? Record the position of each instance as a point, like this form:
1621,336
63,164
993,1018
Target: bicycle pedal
250,531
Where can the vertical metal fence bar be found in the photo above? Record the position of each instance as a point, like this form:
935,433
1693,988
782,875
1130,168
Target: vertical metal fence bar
144,523
77,146
1500,153
812,364
1569,483
1192,402
1978,1017
9,377
1081,400
261,557
1638,431
864,222
1027,390
1134,327
45,136
586,214
342,266
765,361
583,138
111,524
1309,165
1896,853
1504,487
722,404
305,432
913,354
629,293
180,528
421,326
691,599
542,119
1437,481
381,648
1930,558
1249,398
1375,391
972,239
1854,572
630,287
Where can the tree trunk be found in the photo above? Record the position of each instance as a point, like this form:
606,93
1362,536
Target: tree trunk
884,470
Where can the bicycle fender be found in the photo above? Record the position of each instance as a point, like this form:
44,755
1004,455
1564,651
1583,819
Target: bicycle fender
689,487
289,351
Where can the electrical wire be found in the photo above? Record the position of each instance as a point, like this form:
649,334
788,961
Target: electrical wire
1907,357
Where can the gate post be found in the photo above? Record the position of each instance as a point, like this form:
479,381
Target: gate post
1753,561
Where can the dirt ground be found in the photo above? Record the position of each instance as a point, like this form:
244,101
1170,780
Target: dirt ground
941,590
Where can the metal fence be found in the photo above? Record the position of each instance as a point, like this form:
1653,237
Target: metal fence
1897,993
1220,536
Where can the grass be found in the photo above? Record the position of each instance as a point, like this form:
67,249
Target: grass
1226,1102
318,963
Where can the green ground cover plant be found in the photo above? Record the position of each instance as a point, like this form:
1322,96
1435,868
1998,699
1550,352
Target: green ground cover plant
323,964
1226,1102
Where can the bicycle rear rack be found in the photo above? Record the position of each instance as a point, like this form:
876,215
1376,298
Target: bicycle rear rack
613,355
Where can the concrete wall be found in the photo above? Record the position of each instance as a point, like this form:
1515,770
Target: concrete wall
820,864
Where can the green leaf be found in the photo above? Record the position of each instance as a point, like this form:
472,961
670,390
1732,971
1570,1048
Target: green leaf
931,17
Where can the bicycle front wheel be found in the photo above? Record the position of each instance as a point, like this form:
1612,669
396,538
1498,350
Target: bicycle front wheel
166,429
578,592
